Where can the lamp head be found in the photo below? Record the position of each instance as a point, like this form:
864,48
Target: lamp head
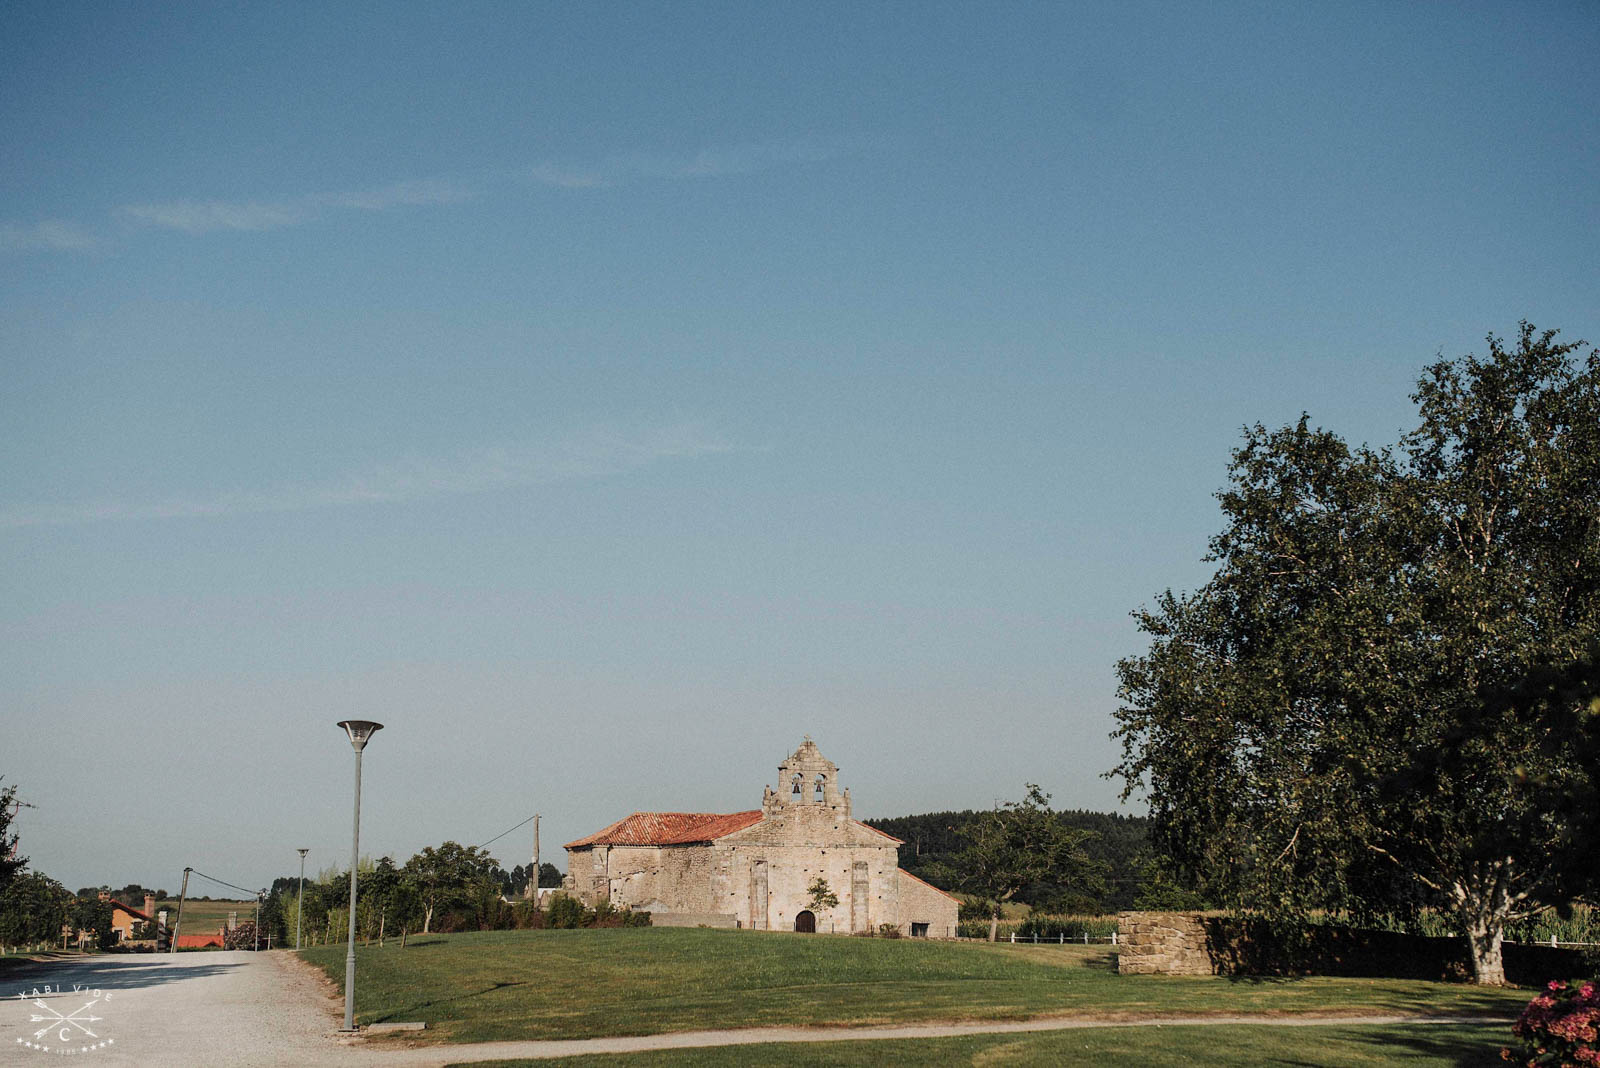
302,853
360,731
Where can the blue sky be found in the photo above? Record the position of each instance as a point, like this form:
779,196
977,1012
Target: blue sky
602,396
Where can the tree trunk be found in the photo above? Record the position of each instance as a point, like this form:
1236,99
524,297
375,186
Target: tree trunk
994,924
1483,906
427,917
1484,936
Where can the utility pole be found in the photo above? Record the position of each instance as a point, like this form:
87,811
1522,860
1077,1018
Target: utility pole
533,879
183,892
17,805
258,919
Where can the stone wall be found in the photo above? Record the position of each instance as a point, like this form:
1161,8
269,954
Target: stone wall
1162,943
924,904
693,919
1213,943
789,872
649,878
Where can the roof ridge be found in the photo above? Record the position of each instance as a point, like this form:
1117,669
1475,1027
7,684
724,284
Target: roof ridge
669,828
874,830
930,886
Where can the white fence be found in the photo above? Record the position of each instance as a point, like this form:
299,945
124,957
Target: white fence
1086,939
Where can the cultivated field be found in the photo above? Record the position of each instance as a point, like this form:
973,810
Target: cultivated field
203,917
579,984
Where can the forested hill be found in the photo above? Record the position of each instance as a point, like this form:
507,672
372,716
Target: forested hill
1121,845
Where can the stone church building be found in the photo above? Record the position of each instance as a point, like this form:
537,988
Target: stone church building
753,869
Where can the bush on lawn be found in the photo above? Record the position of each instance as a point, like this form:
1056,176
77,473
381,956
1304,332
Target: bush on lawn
566,913
1559,1027
563,913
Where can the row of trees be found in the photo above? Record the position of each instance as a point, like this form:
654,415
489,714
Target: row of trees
449,887
1121,872
34,908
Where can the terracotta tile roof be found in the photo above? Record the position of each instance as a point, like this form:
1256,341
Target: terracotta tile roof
929,885
199,941
130,910
874,830
669,828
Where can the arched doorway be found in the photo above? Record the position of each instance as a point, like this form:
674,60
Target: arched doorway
806,922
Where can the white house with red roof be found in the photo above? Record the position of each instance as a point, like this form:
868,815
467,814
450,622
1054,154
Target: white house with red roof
756,869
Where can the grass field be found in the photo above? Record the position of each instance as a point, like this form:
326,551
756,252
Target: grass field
579,984
1429,1046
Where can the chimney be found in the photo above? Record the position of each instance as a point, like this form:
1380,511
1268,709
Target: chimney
149,904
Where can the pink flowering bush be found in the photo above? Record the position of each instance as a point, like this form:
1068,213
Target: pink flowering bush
1559,1027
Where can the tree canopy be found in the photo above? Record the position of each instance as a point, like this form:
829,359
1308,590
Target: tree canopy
449,874
11,864
1020,844
1118,845
1382,699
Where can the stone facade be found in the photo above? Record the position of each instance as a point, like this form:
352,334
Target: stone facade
754,869
1163,943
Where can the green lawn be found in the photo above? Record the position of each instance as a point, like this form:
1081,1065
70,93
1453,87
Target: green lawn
1419,1046
579,984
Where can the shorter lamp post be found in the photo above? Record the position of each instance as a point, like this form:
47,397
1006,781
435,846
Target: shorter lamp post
360,732
300,901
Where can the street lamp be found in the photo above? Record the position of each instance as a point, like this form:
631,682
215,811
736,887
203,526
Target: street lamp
360,732
300,901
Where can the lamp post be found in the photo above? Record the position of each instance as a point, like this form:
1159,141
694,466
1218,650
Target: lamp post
301,899
360,732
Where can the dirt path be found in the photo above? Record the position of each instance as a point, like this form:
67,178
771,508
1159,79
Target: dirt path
201,1010
437,1056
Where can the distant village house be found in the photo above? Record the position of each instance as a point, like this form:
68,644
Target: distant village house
130,923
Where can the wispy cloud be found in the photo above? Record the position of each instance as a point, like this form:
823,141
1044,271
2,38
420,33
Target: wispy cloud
591,455
192,216
49,234
199,217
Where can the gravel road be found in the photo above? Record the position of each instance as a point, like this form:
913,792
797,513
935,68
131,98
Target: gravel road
188,1009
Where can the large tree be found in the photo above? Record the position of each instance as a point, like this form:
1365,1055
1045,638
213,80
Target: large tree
446,876
1356,710
1020,844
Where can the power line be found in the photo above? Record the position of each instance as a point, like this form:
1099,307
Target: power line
219,882
508,830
